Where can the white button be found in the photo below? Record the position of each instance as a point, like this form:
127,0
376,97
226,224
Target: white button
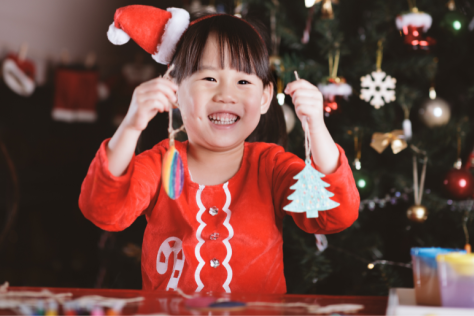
215,263
213,211
214,236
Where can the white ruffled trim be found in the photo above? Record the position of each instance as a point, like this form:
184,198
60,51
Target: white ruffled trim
177,24
419,19
16,79
333,89
117,36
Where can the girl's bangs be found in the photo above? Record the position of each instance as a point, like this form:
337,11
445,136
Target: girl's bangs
236,39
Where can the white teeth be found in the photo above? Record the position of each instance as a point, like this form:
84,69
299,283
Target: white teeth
223,119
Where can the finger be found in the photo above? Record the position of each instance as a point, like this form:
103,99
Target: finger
156,83
153,95
306,111
299,84
308,104
316,95
159,100
155,105
169,93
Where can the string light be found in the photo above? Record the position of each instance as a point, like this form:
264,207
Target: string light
309,3
281,98
432,93
457,25
386,262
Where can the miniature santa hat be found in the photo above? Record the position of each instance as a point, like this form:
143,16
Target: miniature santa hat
19,74
156,31
330,90
416,19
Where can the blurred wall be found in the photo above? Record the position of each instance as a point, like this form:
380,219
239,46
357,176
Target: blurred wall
80,26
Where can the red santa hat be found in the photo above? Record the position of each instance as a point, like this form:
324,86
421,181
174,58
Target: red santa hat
156,31
416,19
19,74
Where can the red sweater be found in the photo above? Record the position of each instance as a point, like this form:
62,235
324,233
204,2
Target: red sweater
220,238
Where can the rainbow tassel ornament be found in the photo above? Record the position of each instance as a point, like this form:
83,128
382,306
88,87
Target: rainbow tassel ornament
172,170
173,173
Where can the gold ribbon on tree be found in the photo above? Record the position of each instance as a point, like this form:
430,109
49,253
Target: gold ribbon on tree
396,139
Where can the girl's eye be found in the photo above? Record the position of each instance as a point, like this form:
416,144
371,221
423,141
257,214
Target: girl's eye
243,82
210,79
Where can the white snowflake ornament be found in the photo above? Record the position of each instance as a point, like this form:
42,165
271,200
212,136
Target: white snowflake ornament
379,87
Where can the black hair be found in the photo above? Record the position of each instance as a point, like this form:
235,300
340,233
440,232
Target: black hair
247,52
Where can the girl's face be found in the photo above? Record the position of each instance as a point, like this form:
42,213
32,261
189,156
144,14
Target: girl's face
221,107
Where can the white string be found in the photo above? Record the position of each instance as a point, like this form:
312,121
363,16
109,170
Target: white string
415,179
172,132
418,188
307,137
422,181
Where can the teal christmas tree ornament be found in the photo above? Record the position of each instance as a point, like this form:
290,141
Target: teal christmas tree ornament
310,195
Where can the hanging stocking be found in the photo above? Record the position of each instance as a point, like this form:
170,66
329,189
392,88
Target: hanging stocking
76,94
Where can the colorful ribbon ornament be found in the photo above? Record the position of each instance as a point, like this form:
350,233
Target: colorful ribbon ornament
396,139
172,170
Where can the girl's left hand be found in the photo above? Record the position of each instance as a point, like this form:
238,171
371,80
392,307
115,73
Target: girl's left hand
308,102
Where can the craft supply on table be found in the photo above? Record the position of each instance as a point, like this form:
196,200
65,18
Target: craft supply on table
210,304
402,302
47,303
456,279
425,274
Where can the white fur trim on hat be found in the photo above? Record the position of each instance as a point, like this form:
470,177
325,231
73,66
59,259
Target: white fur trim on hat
16,79
416,19
177,24
117,36
333,89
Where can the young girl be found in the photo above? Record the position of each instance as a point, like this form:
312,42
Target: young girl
224,233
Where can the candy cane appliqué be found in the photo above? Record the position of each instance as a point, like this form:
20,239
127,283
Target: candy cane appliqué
166,249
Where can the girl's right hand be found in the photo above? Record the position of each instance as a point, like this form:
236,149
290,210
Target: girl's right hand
148,99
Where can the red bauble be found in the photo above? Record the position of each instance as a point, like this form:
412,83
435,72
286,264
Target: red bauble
332,105
458,184
414,36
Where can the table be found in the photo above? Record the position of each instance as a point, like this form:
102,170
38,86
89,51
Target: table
171,303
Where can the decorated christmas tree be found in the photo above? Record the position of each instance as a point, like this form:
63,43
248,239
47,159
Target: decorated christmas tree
396,74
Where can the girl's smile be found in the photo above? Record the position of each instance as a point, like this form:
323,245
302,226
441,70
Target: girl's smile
223,119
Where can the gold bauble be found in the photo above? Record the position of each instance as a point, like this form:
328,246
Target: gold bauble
417,213
276,64
435,112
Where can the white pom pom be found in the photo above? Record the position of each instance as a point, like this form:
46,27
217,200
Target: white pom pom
333,89
173,30
117,36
